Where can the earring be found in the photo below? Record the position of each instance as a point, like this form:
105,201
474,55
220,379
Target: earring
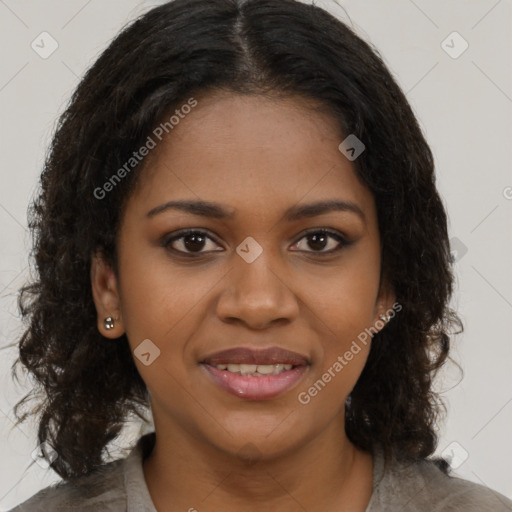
108,323
385,318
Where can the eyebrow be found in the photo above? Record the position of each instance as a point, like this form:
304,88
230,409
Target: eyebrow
296,212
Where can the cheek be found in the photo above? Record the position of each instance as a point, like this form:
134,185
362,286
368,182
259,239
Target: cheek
347,300
346,312
345,316
159,300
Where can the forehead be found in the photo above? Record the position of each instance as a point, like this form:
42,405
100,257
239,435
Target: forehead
252,152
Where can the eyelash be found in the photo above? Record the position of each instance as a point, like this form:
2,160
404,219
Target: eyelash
167,241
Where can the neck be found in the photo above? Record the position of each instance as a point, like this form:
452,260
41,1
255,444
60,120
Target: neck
326,473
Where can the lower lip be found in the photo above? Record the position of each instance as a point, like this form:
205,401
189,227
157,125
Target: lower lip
256,388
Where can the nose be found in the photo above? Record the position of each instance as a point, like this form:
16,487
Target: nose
257,294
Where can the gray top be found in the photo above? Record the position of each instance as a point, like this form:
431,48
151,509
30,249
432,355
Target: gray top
119,486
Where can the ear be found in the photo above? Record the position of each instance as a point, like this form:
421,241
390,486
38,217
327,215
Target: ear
105,292
386,306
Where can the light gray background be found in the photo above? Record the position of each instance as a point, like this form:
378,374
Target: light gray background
464,106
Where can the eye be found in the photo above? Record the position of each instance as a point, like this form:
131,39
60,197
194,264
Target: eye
193,241
188,242
319,240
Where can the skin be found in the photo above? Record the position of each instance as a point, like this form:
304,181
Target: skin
258,156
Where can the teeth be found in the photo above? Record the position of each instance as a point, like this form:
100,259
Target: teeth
268,369
255,370
247,369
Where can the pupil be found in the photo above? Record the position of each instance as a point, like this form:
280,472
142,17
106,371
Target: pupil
196,239
315,239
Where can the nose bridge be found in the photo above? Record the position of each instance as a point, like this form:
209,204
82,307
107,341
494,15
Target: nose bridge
258,277
258,293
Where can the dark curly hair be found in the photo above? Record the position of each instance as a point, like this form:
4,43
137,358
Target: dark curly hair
87,386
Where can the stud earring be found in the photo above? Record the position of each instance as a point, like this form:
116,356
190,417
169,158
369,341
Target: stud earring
385,318
108,323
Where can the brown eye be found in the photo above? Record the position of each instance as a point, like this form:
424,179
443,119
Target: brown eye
188,242
319,240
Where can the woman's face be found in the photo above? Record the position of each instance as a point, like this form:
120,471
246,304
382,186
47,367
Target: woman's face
252,278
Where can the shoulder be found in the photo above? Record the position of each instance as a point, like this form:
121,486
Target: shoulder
101,490
421,485
114,487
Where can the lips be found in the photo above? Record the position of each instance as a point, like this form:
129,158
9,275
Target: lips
239,371
272,355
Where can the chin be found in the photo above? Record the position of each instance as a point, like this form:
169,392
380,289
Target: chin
253,444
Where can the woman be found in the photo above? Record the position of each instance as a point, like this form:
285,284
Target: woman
239,228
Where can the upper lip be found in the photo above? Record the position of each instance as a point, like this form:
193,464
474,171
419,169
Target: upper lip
244,355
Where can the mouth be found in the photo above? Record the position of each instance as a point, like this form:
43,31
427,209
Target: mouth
256,374
255,370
